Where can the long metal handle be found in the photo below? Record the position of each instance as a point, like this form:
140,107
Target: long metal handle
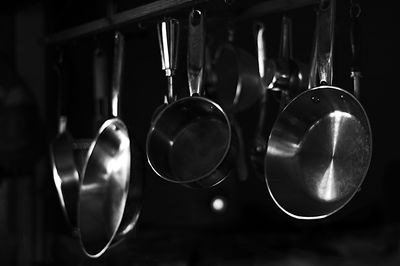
312,79
285,52
60,70
262,60
168,40
195,56
326,32
260,36
259,141
119,45
100,78
286,44
355,41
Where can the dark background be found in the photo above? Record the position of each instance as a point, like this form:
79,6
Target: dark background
177,225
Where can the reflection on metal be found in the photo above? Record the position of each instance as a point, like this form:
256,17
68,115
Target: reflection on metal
338,118
318,153
285,150
327,186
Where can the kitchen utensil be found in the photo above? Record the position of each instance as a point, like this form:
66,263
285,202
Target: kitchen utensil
136,184
320,146
190,140
105,178
64,168
289,75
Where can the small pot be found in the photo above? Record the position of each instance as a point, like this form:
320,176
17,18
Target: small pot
190,141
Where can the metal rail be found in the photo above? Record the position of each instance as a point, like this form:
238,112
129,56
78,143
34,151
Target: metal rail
163,7
119,19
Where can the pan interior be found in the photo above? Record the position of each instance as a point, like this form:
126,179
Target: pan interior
197,148
188,140
332,157
104,187
318,153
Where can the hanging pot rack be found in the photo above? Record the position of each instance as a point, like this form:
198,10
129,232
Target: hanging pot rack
164,7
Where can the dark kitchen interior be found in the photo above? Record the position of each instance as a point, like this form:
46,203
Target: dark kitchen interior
178,225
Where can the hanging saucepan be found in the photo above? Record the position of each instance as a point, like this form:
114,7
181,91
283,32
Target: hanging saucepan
237,84
190,141
65,172
319,149
106,176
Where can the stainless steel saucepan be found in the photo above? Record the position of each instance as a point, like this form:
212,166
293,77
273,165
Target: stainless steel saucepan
190,141
320,146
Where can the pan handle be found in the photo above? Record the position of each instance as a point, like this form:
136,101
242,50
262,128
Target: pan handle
60,70
285,47
262,60
119,45
259,143
312,78
195,56
285,52
325,36
168,40
355,41
100,85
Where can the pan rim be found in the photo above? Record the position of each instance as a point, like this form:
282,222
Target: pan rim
92,146
217,165
365,171
58,180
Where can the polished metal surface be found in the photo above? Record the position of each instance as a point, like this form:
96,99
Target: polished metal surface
62,157
288,75
320,146
134,199
104,187
168,36
195,52
237,82
318,153
105,180
189,142
65,176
